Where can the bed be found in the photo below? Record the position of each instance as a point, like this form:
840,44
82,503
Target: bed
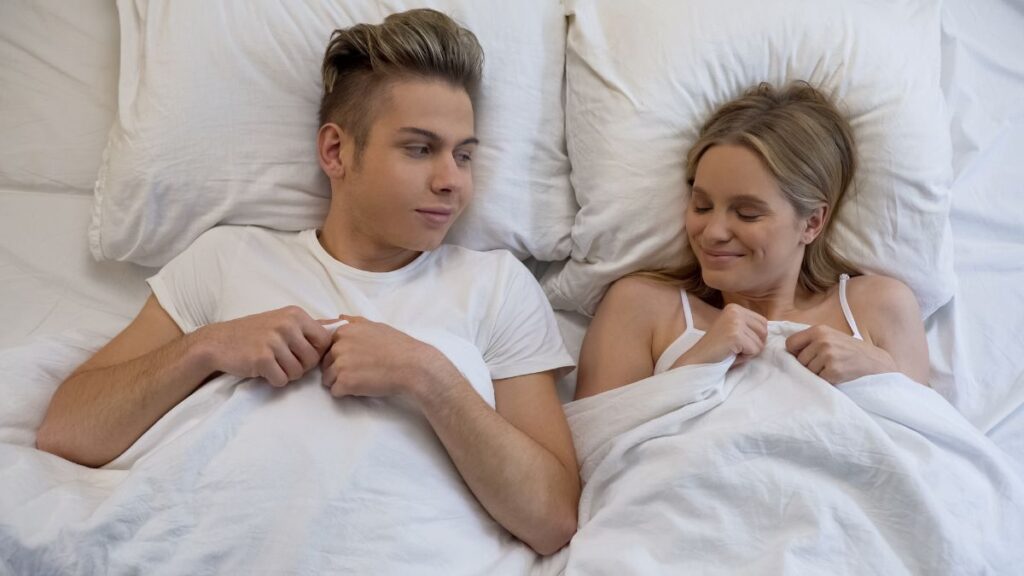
84,207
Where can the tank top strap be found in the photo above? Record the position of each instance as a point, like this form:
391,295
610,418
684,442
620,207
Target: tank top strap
687,313
843,279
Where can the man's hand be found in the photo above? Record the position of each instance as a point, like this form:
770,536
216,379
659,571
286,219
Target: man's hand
838,357
737,330
280,345
369,358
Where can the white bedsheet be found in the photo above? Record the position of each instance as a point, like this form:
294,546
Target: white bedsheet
768,469
243,478
983,81
58,72
48,281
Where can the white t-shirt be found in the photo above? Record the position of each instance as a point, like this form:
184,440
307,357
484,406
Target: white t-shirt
487,298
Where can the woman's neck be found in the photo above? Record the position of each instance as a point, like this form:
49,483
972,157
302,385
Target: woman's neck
774,304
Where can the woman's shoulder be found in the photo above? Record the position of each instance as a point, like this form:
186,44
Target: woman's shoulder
640,300
638,289
883,298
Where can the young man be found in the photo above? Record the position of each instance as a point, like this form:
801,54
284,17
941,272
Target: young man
396,141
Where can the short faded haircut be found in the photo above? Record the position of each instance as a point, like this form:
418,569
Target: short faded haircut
361,63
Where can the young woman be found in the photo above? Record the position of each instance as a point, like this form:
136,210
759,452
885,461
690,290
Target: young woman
767,175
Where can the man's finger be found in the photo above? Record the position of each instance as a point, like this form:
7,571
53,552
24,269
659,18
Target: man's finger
333,326
272,372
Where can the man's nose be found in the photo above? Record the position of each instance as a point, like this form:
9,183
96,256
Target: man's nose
447,176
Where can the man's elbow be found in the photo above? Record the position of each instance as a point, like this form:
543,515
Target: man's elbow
49,439
559,528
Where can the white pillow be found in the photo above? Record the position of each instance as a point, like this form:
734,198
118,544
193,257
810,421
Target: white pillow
641,78
217,123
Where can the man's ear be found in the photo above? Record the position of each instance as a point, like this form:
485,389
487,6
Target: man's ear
331,144
814,224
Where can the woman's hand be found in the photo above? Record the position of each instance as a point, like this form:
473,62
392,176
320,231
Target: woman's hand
838,357
737,330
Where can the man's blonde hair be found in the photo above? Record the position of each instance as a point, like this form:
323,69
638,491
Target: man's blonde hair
808,147
362,61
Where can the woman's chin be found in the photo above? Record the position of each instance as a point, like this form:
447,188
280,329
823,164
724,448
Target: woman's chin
717,281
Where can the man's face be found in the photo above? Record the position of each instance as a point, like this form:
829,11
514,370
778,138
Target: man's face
414,177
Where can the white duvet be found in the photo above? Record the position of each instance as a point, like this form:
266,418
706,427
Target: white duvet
762,469
242,478
767,469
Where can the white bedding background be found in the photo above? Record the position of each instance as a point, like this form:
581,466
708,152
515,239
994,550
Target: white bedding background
983,81
58,73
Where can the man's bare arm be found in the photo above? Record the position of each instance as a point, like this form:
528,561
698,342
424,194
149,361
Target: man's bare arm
151,366
519,461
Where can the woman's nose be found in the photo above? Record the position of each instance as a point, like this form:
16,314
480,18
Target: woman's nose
717,227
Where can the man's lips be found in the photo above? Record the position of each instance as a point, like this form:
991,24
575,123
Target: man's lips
436,215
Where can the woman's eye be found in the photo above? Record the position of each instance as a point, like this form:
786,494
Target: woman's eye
748,216
701,209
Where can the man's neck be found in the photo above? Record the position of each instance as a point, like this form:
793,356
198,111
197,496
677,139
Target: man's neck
357,251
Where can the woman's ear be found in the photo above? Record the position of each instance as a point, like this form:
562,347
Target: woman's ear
331,142
814,224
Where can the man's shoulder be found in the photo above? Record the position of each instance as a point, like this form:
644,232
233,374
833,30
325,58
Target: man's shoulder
481,260
232,236
494,272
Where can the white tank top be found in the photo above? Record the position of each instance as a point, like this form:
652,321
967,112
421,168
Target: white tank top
692,335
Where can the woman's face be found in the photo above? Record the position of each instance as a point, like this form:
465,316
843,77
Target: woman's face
746,235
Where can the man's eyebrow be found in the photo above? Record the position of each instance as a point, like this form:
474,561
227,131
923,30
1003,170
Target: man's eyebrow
433,136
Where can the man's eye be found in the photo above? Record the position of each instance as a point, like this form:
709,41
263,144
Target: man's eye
417,150
463,157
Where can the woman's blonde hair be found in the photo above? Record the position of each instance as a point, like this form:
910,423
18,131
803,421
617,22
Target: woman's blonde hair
362,61
808,147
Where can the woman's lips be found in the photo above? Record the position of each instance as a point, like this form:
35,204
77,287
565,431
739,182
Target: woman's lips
717,257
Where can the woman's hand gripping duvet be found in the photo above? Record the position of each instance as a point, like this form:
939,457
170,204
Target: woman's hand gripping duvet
737,331
838,357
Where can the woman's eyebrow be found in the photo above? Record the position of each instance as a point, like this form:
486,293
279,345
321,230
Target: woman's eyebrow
739,199
748,199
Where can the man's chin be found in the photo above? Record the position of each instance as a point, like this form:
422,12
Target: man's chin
426,244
